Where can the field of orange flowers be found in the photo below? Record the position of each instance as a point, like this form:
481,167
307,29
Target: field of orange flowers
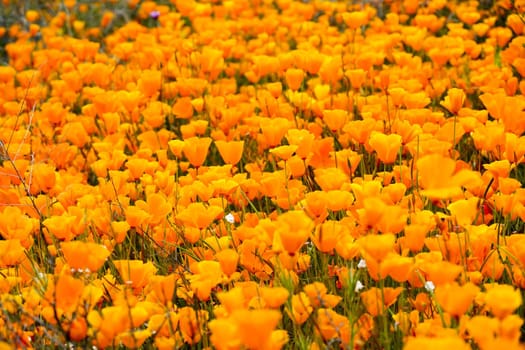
262,174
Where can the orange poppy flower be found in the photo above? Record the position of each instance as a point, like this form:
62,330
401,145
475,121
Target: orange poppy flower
274,297
500,105
224,334
378,300
78,329
133,339
235,298
414,238
284,152
315,204
85,256
196,150
456,299
208,275
135,273
397,267
136,217
256,326
157,206
327,235
75,133
439,272
334,326
444,183
163,288
377,247
357,77
515,23
360,130
155,140
150,82
176,147
469,17
231,152
514,148
319,297
15,225
61,226
295,166
191,324
183,109
335,119
66,292
224,187
386,146
416,100
482,329
294,78
450,131
347,247
330,178
321,91
273,130
303,139
32,16
355,19
489,137
464,211
294,228
268,104
330,70
275,88
109,322
136,167
212,62
436,343
155,113
11,253
198,215
392,219
500,168
301,308
502,35
228,258
502,300
454,100
320,157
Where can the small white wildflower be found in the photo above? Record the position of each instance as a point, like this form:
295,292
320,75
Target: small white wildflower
230,218
361,264
429,286
358,286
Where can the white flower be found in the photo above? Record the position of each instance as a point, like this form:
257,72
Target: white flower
429,286
361,264
230,218
358,286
